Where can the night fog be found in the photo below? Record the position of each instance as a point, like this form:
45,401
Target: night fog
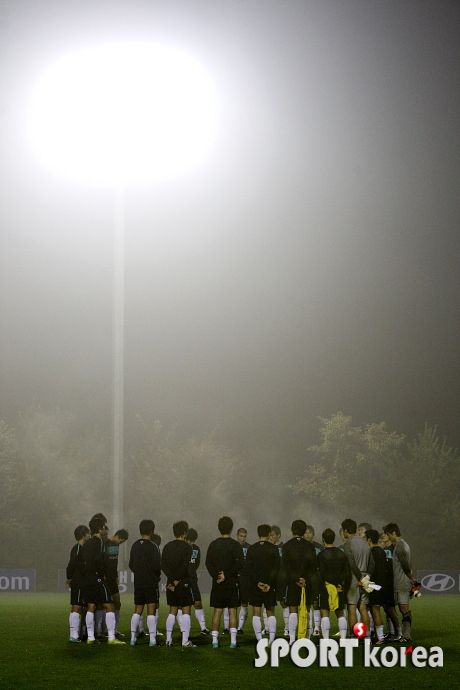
308,266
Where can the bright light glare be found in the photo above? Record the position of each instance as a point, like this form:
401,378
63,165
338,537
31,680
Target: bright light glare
123,112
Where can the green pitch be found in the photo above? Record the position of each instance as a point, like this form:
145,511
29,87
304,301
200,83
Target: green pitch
35,653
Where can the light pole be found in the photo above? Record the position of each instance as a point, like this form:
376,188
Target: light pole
122,114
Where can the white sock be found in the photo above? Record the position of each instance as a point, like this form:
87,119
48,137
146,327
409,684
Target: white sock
199,614
399,632
371,622
379,631
257,625
98,617
265,619
117,618
74,621
233,632
391,627
272,628
134,623
170,627
110,619
186,625
141,623
292,626
310,618
243,616
358,615
317,616
179,618
90,625
286,617
226,619
325,627
343,626
152,626
215,636
309,626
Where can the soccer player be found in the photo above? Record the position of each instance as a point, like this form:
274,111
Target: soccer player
362,528
96,590
402,578
361,563
378,598
281,581
393,624
335,578
176,563
156,540
241,535
111,551
224,562
144,562
314,611
76,579
299,558
261,568
192,536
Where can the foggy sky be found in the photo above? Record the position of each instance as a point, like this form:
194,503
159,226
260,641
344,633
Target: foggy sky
310,265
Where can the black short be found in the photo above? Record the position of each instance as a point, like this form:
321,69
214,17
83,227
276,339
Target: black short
143,597
294,594
245,589
98,593
181,597
224,598
382,597
196,592
77,596
323,600
259,598
281,584
315,585
113,587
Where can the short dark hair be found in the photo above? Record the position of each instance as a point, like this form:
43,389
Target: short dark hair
100,516
392,527
328,536
225,525
146,527
367,525
192,535
349,525
180,528
298,528
264,530
373,535
311,529
96,524
156,539
240,530
122,534
276,530
80,532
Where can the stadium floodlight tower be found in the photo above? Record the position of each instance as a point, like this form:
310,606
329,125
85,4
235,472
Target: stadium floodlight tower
122,114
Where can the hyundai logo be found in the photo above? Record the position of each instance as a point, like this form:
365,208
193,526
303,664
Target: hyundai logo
438,582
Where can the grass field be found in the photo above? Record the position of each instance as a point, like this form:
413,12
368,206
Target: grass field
35,653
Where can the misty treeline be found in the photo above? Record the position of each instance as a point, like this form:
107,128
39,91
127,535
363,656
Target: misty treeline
55,473
374,475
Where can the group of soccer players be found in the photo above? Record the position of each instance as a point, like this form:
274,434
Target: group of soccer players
369,571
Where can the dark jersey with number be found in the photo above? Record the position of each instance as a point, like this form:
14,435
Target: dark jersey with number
380,572
225,554
176,562
262,563
389,556
299,559
144,561
111,551
195,559
93,555
334,567
76,567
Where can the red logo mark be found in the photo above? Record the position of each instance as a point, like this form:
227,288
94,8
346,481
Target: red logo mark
359,630
408,650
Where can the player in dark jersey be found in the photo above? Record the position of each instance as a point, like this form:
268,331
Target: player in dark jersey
75,574
96,590
393,625
144,562
192,536
176,563
224,562
244,585
261,568
335,578
281,581
314,614
380,576
111,551
299,559
156,540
